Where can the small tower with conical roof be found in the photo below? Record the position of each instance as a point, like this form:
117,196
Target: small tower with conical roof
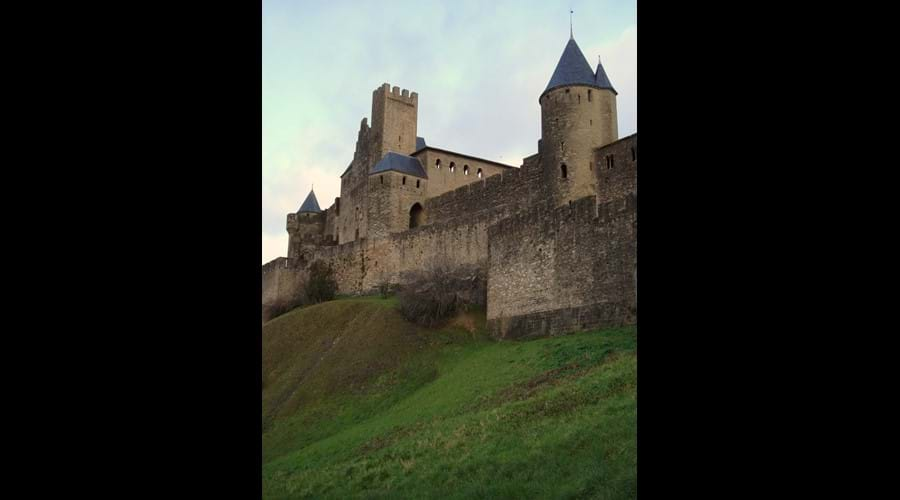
305,227
578,115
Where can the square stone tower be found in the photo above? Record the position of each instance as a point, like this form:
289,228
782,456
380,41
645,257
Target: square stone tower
394,117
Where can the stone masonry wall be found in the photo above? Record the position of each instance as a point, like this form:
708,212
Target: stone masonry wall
282,280
391,196
615,166
566,269
574,121
360,266
498,196
456,234
330,231
305,230
350,215
440,177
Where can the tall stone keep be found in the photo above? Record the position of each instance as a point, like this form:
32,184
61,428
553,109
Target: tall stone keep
394,115
578,115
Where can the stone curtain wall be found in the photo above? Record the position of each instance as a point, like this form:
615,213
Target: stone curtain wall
360,266
282,280
567,269
550,271
442,180
615,167
495,197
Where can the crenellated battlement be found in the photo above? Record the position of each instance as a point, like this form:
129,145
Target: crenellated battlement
395,92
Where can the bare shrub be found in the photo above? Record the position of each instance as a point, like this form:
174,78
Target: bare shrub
434,295
283,306
321,285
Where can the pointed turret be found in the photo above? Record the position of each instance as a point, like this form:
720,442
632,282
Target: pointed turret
600,78
311,204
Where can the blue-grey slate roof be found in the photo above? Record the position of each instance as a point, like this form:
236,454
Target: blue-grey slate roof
400,163
601,80
311,204
573,69
420,143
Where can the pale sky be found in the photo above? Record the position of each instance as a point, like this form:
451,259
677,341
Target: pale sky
479,68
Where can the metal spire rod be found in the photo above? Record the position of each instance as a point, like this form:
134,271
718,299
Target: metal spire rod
571,33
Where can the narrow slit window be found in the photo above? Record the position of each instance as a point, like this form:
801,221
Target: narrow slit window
564,170
466,169
479,173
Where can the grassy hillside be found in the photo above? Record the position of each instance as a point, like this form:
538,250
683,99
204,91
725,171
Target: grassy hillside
358,403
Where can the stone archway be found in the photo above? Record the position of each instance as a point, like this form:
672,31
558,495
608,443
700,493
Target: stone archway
416,216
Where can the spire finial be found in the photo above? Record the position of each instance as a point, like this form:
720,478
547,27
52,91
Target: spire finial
571,35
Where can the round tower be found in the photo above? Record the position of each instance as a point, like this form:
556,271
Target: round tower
578,115
305,227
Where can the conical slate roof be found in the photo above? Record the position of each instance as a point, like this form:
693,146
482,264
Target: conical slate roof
573,69
311,204
601,80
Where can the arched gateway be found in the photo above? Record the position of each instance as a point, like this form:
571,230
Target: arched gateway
416,216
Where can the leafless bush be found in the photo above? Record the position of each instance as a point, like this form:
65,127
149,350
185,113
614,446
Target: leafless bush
321,285
277,309
434,295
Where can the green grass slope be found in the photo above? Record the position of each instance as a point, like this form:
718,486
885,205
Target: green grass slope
358,403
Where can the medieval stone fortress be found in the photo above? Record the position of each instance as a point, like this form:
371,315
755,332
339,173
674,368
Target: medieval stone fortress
555,237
